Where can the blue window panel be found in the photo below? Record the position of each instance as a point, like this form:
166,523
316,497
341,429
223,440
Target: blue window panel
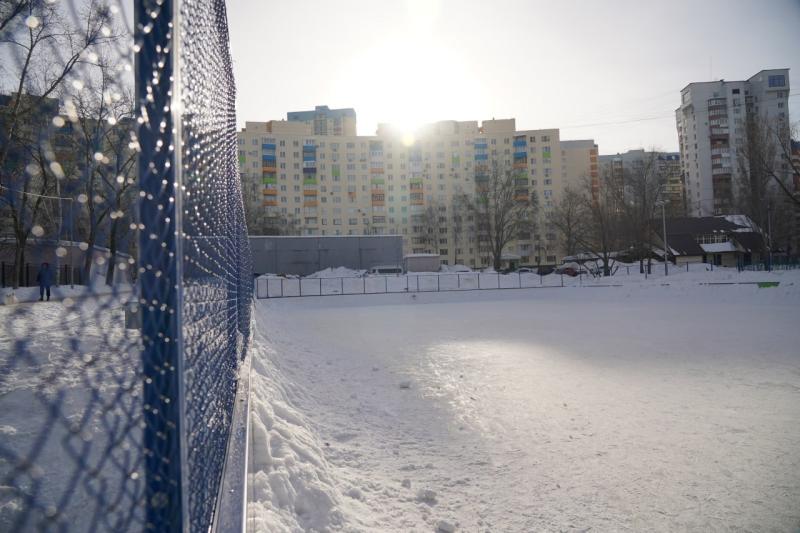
778,80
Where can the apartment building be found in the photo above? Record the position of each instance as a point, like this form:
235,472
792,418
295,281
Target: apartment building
711,123
618,166
391,182
326,121
579,164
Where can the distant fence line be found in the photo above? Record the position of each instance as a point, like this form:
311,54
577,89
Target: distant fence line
277,287
468,281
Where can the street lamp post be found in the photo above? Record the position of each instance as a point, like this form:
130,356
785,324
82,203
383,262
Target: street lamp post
666,246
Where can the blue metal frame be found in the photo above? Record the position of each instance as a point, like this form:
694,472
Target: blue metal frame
159,279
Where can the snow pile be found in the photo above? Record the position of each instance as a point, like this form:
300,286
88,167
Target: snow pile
455,268
338,272
290,486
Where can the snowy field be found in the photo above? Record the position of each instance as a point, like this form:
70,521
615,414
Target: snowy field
642,408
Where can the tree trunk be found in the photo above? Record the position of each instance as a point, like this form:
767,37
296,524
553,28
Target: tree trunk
19,258
87,259
112,248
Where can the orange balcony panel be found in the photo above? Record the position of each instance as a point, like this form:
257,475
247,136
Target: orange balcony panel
417,202
378,203
521,165
521,197
269,169
376,171
308,192
270,192
270,203
310,203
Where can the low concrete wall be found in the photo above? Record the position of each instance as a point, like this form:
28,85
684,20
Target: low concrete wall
306,255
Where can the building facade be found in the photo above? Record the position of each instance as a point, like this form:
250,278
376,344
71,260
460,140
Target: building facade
326,121
580,164
395,184
711,123
617,166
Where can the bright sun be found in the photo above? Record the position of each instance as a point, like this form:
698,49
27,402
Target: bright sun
408,80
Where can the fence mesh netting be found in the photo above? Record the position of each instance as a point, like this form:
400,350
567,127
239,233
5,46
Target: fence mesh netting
126,275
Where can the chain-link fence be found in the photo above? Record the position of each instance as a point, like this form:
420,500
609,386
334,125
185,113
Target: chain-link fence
121,209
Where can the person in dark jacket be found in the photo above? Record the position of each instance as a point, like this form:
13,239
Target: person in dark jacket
45,279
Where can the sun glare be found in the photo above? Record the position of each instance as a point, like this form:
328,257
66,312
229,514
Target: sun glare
411,78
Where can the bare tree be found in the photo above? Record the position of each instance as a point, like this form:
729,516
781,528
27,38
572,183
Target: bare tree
104,142
462,223
263,222
766,156
603,218
427,226
44,49
500,214
764,189
645,186
10,9
569,219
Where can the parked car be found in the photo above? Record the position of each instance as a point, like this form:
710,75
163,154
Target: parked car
545,270
568,269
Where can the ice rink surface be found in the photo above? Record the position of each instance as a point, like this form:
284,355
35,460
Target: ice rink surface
655,408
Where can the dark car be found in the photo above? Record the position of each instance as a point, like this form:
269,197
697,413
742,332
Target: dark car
545,270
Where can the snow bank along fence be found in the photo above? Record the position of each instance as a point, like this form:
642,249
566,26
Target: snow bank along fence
105,427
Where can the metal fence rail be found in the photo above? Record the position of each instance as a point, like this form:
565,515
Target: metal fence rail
117,400
278,287
296,287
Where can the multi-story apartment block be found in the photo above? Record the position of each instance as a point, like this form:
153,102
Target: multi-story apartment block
579,164
327,121
391,183
711,124
618,167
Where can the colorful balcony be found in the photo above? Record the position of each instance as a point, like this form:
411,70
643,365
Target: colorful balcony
481,157
375,170
269,180
268,146
310,181
520,164
270,192
270,202
268,157
309,192
310,202
309,170
377,181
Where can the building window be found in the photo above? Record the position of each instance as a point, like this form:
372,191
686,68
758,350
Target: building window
778,80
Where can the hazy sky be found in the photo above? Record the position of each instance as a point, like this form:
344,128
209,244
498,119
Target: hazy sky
611,71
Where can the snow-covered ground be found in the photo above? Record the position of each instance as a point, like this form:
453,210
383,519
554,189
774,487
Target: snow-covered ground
643,407
69,415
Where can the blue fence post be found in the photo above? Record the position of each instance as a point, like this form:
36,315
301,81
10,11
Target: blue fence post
160,278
